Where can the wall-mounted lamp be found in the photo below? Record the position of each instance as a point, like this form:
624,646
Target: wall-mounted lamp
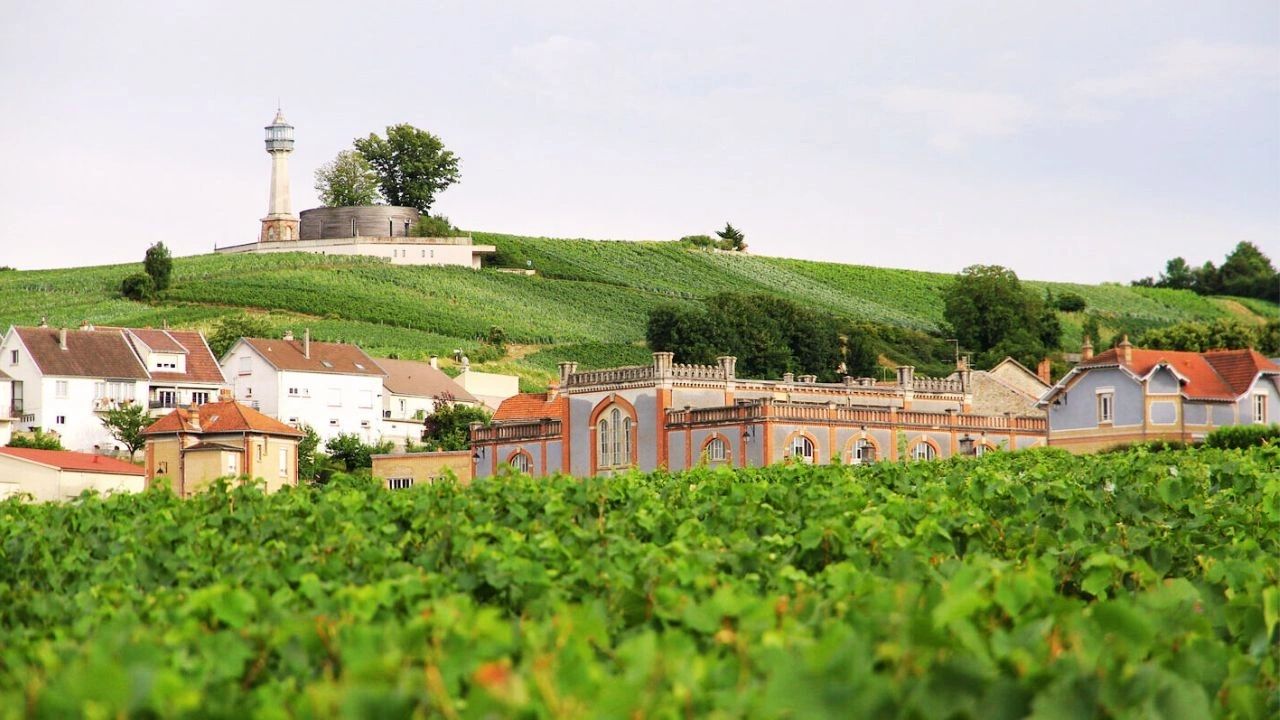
966,445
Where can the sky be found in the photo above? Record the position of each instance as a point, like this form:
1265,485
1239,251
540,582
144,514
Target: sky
1083,141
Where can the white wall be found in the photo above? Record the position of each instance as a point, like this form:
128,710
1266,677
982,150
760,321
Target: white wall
358,408
81,428
49,484
258,386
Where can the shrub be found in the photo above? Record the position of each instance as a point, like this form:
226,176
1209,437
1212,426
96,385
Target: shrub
1239,437
1071,302
700,241
37,440
435,226
138,286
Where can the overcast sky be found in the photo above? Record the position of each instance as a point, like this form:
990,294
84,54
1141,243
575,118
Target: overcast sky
1081,141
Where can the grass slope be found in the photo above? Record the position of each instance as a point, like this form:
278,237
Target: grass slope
588,302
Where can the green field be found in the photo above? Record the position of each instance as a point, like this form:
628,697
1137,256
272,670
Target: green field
589,300
1033,584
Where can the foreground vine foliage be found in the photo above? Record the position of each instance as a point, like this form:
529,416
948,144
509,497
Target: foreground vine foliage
1027,584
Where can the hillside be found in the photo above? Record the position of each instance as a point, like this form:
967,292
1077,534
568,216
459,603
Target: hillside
588,302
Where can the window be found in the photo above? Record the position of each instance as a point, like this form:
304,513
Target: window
162,468
403,407
521,461
60,389
335,397
399,483
168,398
980,449
13,357
246,365
60,420
802,449
717,451
293,392
366,398
293,421
614,431
200,397
284,462
1106,406
333,422
923,451
364,423
1260,408
864,452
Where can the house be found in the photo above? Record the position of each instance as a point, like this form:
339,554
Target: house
63,380
490,389
334,388
673,416
1130,394
6,408
60,474
1009,387
183,370
404,470
195,446
410,392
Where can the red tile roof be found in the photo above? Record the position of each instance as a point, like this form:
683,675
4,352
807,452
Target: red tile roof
89,353
78,462
202,366
325,357
220,417
530,406
1217,375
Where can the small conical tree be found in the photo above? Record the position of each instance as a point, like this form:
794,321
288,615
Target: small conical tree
159,265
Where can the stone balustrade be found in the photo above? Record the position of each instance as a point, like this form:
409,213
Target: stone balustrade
517,430
797,412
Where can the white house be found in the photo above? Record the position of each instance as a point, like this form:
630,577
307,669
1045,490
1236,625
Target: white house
6,409
333,387
411,392
183,370
63,380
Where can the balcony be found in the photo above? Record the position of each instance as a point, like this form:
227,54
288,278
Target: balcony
104,404
517,430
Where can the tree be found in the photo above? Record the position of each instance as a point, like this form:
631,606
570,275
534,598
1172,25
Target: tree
353,453
38,440
1220,334
137,286
159,265
126,423
308,446
1247,272
449,424
412,165
497,337
990,312
1177,275
347,180
731,238
434,226
1071,302
233,327
699,241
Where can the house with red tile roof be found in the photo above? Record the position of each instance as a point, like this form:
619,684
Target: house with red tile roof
194,446
47,475
335,388
411,391
183,370
65,380
1129,394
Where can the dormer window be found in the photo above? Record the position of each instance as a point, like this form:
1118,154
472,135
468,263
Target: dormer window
326,363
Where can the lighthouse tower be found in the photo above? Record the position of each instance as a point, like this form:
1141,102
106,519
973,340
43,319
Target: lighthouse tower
280,224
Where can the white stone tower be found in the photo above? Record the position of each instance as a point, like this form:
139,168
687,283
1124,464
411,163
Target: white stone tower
280,223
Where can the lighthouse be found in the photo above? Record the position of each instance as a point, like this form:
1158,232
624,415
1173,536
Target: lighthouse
280,224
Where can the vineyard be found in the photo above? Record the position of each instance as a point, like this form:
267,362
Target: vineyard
589,295
1036,584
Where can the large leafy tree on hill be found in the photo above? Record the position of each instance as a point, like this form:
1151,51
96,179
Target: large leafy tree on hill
159,265
1246,272
232,328
412,165
347,180
992,313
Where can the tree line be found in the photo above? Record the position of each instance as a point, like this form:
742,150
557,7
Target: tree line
1246,272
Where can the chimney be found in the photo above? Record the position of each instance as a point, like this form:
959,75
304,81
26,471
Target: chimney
288,335
567,369
906,376
193,418
1126,350
435,361
553,390
1086,350
306,343
62,339
1044,371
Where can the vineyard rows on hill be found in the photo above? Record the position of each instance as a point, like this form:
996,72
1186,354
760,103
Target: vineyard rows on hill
1030,584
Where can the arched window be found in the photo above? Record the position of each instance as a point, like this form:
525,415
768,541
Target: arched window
983,448
716,451
924,450
520,460
802,448
615,437
863,452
